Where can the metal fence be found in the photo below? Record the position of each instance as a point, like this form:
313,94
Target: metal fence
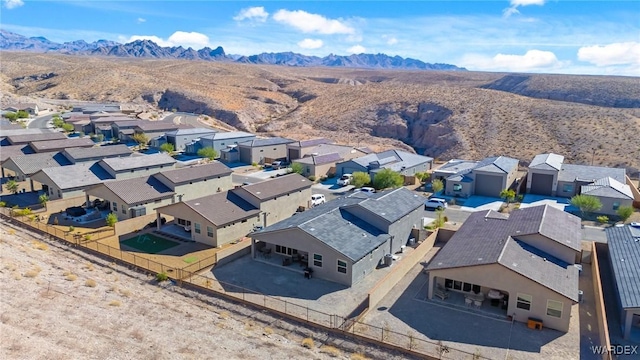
187,276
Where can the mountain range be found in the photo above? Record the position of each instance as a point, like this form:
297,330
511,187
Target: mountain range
148,49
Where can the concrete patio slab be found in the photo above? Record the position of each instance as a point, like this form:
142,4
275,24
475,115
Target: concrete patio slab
531,200
480,203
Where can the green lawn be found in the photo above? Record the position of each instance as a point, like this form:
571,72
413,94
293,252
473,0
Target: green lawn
149,243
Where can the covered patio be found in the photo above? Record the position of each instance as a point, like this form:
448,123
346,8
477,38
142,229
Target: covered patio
174,230
469,297
281,256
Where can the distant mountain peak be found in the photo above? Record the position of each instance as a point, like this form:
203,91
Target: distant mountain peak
146,48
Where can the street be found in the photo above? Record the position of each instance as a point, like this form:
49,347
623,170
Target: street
186,118
40,122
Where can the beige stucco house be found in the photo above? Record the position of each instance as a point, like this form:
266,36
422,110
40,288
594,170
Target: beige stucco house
488,177
321,159
260,150
523,262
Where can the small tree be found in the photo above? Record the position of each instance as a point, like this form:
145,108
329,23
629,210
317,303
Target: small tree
603,219
437,185
67,127
11,116
624,212
423,176
387,178
57,122
100,138
22,114
208,153
508,195
167,147
12,186
586,203
111,219
360,179
140,138
42,199
297,168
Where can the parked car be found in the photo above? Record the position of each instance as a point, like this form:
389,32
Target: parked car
345,180
635,224
317,199
277,165
435,203
367,189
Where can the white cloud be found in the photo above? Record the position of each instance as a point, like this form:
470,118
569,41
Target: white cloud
392,41
256,13
613,54
532,60
12,4
357,49
312,23
141,20
310,44
186,39
513,9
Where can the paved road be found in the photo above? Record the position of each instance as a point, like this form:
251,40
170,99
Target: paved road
594,233
40,122
186,118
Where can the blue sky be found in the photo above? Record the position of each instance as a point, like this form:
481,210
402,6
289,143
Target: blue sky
575,37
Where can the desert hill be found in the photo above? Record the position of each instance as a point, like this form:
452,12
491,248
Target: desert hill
442,114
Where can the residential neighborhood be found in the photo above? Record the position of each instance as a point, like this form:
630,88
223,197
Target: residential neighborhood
525,248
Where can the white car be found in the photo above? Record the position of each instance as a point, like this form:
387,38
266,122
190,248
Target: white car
366,190
435,203
317,199
345,180
635,224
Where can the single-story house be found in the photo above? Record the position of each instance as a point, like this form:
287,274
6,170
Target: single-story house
29,137
5,124
103,124
197,180
137,165
230,215
6,132
261,150
24,166
8,151
345,239
179,138
321,159
77,155
97,108
70,181
624,256
523,262
124,129
30,108
219,142
230,154
549,175
299,149
158,128
488,177
59,145
402,162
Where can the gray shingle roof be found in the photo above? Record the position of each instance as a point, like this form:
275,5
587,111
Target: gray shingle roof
320,159
138,190
75,176
266,142
137,162
624,254
311,142
160,126
57,145
498,164
392,205
196,172
586,173
8,125
282,185
547,162
110,119
608,187
27,138
21,131
192,131
221,208
31,163
9,151
95,153
392,159
486,235
229,135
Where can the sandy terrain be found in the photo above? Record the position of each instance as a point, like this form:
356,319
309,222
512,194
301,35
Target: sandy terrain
59,303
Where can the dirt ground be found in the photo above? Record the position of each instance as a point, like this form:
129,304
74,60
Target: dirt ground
59,303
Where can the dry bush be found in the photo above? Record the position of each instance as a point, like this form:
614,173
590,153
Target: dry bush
115,303
267,331
10,266
71,277
249,325
33,272
330,350
4,318
358,356
89,267
223,315
90,283
40,245
308,343
125,292
17,276
137,334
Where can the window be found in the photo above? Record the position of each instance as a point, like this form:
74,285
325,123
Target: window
197,227
115,206
132,170
124,209
524,301
342,267
567,188
457,285
285,250
261,150
616,205
554,308
457,187
209,231
317,260
466,287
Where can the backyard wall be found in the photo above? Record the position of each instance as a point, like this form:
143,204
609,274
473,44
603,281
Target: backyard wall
444,235
130,225
601,314
233,252
55,206
635,192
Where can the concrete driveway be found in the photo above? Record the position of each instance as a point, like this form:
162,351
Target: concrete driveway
537,200
331,185
267,173
480,203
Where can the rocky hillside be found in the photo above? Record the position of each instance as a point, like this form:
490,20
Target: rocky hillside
441,114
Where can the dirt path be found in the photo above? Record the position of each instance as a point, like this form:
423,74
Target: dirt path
59,303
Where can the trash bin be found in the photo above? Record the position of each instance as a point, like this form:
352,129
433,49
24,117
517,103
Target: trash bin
388,259
580,295
412,241
402,247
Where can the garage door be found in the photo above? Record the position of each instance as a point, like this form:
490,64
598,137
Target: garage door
541,184
488,185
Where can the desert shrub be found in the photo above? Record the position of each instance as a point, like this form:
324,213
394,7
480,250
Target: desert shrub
90,283
87,237
586,203
312,178
387,178
160,277
71,277
358,356
40,245
624,212
603,219
330,350
115,303
360,179
268,331
308,343
437,185
111,219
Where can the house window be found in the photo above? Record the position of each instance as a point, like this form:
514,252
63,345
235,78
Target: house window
567,188
342,267
457,285
554,308
59,193
124,209
132,170
524,301
115,206
209,231
261,150
457,187
317,260
197,227
285,250
616,205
